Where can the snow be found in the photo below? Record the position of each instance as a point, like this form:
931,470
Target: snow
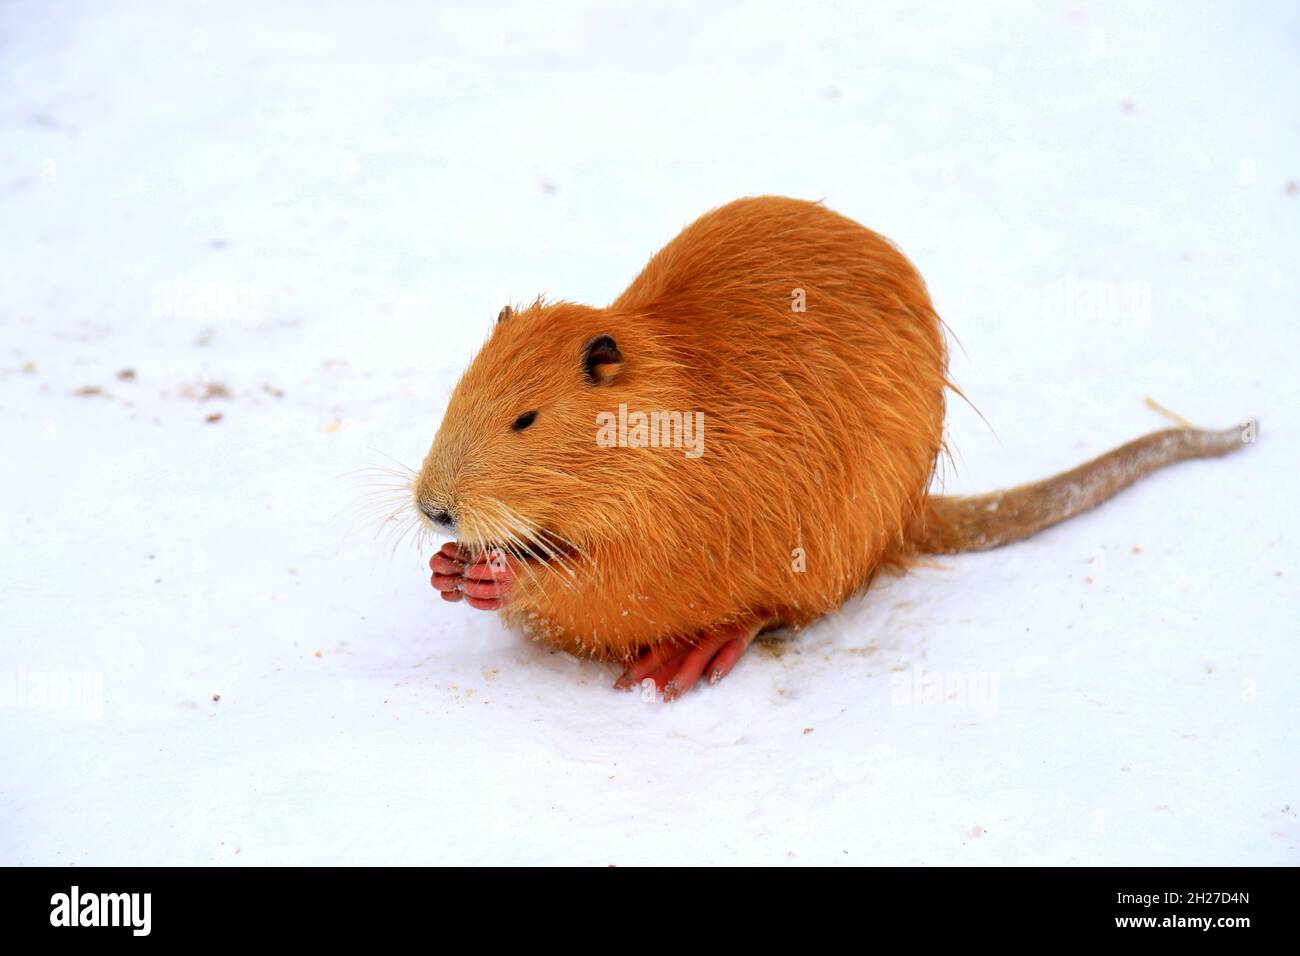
319,209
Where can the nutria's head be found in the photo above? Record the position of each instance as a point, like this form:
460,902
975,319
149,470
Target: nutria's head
515,463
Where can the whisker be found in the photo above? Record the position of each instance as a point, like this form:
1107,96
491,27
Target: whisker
552,559
511,538
402,466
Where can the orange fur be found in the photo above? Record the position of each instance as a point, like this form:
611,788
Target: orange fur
822,429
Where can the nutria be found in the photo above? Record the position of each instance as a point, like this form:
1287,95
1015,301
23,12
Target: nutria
799,353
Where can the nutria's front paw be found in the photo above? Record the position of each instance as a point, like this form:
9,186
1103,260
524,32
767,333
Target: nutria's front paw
485,582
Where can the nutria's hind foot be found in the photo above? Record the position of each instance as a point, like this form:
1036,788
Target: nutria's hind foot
485,582
676,669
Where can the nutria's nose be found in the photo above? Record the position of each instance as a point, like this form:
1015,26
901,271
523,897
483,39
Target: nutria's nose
439,516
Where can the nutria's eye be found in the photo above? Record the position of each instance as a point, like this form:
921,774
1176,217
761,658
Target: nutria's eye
524,420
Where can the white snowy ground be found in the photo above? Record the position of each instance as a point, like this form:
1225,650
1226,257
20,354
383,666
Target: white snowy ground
312,212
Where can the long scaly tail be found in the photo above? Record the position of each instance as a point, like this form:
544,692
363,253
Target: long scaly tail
979,522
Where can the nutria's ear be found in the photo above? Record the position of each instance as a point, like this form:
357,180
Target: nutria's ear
505,313
601,360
